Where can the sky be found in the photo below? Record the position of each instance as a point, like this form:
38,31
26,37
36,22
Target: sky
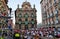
13,4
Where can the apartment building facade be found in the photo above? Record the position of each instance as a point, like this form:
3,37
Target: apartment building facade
50,13
4,14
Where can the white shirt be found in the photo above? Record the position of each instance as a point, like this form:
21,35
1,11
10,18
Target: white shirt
25,36
33,33
50,36
41,33
28,32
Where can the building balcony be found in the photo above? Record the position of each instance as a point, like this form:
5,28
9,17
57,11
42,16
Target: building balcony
49,23
3,23
55,4
26,22
48,16
56,12
6,1
50,5
56,22
33,16
16,22
20,22
32,22
52,22
5,17
51,15
19,16
59,5
43,18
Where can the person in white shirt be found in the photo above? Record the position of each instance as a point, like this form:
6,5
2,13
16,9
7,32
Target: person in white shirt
25,37
41,33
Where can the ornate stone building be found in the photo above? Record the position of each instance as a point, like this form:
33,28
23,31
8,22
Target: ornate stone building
3,13
25,16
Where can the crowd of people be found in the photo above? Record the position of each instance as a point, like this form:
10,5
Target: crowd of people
42,33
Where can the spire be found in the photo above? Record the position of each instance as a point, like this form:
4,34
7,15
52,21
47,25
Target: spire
25,0
34,5
18,5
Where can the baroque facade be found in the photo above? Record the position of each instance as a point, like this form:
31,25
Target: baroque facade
25,16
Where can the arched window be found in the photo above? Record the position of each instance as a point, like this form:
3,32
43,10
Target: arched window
32,15
26,21
20,15
26,27
2,8
20,21
32,26
32,21
26,15
20,26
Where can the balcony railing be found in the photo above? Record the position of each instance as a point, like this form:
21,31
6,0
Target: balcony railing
56,21
55,3
48,16
43,18
51,15
59,5
20,22
17,23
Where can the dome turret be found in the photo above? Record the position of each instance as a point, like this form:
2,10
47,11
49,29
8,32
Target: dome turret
26,3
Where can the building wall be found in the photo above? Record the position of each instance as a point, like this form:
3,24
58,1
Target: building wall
50,12
28,11
3,12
